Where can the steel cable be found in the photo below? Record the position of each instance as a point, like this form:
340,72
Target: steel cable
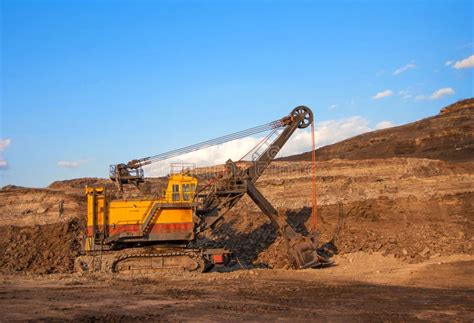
314,208
209,143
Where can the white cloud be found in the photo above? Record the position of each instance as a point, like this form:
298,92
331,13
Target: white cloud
331,131
465,63
326,132
405,94
448,63
332,107
441,92
382,94
404,69
438,94
384,125
71,163
4,143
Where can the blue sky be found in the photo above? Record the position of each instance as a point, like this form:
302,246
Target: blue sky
85,84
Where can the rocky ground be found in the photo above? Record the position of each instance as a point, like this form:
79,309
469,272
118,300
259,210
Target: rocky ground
360,288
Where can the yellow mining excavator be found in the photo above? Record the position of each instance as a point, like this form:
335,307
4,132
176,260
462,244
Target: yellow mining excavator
153,233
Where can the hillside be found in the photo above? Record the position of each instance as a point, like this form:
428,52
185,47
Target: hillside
447,136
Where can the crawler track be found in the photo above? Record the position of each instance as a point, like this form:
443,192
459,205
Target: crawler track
138,260
189,261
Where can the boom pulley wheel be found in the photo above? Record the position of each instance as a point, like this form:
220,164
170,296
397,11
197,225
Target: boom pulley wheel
305,114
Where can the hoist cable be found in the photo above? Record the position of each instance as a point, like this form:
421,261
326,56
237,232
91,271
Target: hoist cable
213,142
314,209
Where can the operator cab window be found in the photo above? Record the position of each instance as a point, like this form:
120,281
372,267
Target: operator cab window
186,194
175,194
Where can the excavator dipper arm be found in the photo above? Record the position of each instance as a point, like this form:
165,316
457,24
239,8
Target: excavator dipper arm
284,229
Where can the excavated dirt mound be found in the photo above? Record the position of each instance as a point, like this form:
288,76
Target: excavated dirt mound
41,249
407,228
410,242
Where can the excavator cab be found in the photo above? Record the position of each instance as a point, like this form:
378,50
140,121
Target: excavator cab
181,188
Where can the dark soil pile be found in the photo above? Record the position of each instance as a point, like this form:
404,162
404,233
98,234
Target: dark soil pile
404,228
41,249
371,227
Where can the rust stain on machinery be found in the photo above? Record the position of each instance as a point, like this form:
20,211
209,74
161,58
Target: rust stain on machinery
150,234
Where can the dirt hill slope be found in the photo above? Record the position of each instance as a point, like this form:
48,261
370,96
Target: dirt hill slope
447,136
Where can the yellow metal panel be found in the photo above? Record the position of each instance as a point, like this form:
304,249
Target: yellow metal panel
95,204
135,212
175,216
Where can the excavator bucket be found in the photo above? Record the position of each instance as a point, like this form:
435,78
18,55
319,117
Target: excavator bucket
304,253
